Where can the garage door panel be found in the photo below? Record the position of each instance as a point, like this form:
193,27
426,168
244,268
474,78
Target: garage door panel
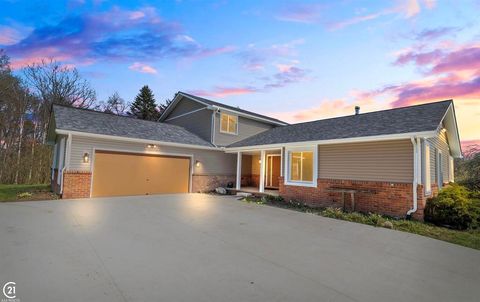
120,174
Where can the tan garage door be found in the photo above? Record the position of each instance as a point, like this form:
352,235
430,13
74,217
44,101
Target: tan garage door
120,174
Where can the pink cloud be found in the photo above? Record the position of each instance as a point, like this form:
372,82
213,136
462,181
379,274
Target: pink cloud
37,56
419,58
408,9
463,59
10,35
431,34
221,92
327,109
143,68
466,57
470,147
304,13
135,15
358,19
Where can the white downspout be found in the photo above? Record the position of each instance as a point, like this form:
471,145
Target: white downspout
415,177
214,116
66,161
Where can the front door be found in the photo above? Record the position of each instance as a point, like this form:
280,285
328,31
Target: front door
272,172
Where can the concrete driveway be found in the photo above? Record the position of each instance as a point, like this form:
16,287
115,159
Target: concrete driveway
209,248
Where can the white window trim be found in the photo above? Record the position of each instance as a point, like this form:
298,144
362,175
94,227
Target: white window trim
451,169
220,124
439,169
312,183
428,171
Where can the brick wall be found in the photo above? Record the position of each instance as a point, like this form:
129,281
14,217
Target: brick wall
422,200
393,199
208,183
76,184
255,180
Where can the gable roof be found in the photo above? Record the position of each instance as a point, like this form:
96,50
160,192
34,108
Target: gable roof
94,122
413,119
221,106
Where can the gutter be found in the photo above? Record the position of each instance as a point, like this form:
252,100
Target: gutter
415,177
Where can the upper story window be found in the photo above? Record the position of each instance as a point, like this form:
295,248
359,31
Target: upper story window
228,123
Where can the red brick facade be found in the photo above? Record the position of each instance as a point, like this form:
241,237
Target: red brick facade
76,184
393,199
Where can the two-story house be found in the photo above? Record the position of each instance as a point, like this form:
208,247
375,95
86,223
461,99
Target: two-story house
392,159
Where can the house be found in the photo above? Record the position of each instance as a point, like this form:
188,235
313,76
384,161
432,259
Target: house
394,159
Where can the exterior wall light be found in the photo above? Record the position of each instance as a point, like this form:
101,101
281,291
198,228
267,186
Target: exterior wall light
259,161
86,158
197,163
150,146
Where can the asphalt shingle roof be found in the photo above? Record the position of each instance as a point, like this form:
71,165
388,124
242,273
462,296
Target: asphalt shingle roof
426,117
213,103
83,120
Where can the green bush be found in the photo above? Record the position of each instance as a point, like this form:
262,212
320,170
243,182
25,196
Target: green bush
453,207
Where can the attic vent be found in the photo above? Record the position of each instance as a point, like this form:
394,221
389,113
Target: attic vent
357,110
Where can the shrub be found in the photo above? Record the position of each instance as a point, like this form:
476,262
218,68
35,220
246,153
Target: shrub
24,195
453,207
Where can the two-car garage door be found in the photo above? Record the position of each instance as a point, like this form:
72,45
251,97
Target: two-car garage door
121,174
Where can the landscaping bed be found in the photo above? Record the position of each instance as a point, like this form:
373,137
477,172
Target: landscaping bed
469,238
26,192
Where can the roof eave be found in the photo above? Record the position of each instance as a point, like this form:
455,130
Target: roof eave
386,137
134,140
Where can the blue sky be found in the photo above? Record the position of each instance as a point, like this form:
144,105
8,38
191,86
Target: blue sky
295,60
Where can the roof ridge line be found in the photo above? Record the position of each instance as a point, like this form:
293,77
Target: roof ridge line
384,110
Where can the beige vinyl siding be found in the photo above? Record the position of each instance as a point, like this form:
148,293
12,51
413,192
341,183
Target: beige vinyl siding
211,162
439,143
246,128
375,161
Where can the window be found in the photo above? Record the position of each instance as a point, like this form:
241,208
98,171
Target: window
428,180
228,123
301,167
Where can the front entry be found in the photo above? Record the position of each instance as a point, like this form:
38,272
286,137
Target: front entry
272,172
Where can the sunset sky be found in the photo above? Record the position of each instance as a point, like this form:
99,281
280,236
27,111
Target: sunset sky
294,60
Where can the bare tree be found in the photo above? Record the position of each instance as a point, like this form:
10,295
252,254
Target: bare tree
114,104
162,107
54,83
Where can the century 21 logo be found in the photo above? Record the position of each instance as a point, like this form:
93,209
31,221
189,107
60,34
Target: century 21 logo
9,290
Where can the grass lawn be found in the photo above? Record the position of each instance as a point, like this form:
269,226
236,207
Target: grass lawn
468,238
25,192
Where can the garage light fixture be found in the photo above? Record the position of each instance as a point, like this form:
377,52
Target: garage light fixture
86,158
150,146
197,163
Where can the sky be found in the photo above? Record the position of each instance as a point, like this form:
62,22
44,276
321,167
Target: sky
293,60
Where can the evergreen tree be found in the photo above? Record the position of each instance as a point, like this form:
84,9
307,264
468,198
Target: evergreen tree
144,106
